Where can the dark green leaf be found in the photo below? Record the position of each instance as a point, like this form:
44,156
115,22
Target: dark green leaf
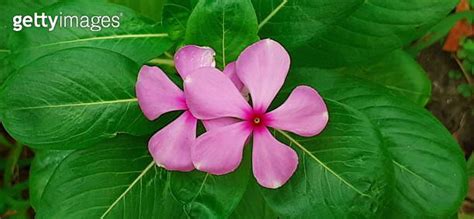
376,28
118,178
227,26
335,176
430,175
465,90
253,205
135,38
296,22
175,16
72,99
398,72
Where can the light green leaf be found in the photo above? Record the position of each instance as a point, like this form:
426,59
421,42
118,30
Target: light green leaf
135,38
227,26
430,175
73,98
335,176
118,178
150,8
399,73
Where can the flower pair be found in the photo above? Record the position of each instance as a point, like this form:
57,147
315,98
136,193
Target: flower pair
218,100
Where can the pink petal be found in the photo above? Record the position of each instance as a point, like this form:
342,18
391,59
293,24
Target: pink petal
273,162
219,151
262,67
157,94
303,113
189,58
171,146
230,72
218,123
211,95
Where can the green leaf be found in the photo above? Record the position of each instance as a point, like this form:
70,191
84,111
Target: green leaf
72,99
439,31
118,178
227,26
175,16
376,28
253,205
150,8
296,22
43,167
430,175
135,38
335,176
465,90
400,74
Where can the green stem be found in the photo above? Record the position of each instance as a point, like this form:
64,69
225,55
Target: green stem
159,61
12,160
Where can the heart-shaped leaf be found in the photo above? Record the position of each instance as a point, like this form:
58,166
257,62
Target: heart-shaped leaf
430,172
227,26
335,176
73,98
118,178
135,38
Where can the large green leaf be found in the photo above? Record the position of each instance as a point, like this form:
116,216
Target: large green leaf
376,28
336,177
73,98
296,22
118,178
430,172
398,72
135,38
228,26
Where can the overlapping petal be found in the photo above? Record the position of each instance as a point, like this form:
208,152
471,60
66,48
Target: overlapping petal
211,95
171,146
219,151
303,113
219,123
189,58
157,94
273,163
262,68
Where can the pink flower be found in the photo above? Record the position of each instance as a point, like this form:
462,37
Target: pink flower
157,94
262,68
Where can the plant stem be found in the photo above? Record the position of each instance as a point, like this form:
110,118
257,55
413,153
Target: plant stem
12,160
159,61
464,72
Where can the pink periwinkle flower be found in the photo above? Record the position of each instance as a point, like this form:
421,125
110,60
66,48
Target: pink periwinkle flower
262,69
157,94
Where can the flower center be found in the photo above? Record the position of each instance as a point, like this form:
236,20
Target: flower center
256,120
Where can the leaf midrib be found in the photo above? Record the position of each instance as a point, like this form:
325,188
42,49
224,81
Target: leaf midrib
306,151
106,102
111,37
